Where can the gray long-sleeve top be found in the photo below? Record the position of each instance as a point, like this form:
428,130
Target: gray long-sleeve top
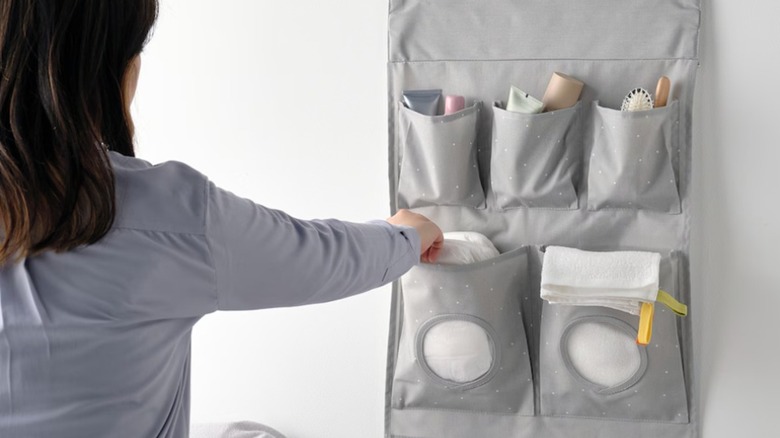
95,342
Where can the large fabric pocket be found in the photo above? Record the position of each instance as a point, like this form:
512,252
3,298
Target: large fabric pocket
463,345
534,159
439,159
631,163
591,365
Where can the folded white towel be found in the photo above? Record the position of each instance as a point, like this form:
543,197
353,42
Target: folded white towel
620,280
463,247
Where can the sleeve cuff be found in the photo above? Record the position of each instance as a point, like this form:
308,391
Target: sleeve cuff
405,260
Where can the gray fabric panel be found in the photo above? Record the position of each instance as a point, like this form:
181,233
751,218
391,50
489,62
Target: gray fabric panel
487,290
631,163
605,229
534,158
478,51
535,29
438,163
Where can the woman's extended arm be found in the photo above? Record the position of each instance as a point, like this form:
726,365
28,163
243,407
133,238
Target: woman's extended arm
266,258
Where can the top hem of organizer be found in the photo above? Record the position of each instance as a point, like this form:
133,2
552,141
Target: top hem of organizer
410,61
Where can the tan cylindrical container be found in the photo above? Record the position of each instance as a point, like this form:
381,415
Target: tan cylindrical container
562,92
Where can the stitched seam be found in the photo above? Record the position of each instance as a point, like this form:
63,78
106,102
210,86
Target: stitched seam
501,414
622,420
148,230
473,411
207,210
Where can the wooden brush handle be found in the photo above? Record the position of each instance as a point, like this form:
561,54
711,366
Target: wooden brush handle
662,91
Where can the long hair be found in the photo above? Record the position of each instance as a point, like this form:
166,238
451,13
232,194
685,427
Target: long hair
62,107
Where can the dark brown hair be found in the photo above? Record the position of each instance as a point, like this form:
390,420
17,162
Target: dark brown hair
63,64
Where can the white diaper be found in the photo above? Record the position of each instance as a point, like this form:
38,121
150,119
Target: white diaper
458,351
602,354
463,247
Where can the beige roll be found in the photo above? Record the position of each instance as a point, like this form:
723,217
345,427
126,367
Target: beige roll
562,92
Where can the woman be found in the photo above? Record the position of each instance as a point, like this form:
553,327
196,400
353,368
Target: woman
107,261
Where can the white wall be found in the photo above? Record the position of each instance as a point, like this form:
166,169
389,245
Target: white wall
737,227
284,103
258,96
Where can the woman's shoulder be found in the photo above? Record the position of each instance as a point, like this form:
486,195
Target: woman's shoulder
170,196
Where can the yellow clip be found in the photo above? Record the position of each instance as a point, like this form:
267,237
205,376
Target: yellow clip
647,312
677,307
645,331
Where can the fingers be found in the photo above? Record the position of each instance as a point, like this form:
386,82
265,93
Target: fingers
431,254
431,235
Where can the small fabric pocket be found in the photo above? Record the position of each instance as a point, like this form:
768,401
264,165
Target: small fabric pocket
439,159
463,344
535,158
631,162
591,365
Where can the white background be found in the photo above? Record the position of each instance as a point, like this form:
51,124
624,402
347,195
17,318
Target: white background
285,103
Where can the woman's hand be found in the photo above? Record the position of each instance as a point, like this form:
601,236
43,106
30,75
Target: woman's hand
431,237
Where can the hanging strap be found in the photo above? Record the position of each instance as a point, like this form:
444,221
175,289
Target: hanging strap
667,300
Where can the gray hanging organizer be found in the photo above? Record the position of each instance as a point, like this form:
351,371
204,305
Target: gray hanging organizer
589,177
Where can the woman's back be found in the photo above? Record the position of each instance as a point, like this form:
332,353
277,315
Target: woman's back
106,261
96,341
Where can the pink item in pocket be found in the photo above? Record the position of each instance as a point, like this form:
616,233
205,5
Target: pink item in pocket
453,104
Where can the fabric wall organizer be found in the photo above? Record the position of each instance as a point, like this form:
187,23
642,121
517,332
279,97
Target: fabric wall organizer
590,177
